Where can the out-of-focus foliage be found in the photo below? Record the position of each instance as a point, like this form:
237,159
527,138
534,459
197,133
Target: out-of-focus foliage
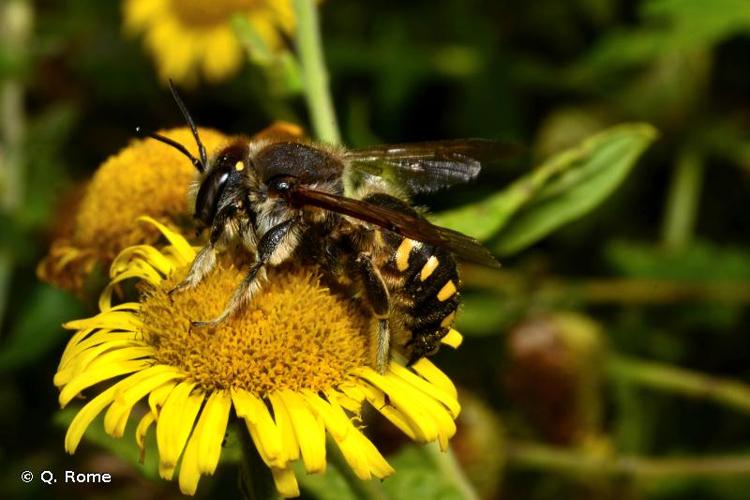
628,212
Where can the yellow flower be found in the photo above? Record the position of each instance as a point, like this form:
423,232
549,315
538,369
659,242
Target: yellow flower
188,37
146,177
294,364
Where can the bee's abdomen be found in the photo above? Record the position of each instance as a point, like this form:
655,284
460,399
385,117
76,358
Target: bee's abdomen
430,287
424,285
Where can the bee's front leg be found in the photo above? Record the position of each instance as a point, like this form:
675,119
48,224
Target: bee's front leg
274,247
203,264
376,294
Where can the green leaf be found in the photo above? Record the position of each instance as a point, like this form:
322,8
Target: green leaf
564,187
37,329
592,172
701,261
422,472
485,315
329,485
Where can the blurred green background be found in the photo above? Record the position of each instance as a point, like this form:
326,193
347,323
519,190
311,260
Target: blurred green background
609,357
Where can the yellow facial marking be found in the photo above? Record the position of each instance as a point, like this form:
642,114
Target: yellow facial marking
448,320
429,266
239,166
448,290
402,254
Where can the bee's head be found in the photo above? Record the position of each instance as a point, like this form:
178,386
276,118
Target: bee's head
222,182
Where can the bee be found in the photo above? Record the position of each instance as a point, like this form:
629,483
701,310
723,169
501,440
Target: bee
346,212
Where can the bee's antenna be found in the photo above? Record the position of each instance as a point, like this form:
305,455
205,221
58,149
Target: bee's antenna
191,124
170,142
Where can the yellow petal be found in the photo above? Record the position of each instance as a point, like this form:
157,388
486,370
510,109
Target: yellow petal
263,430
309,430
363,457
211,428
76,339
349,396
112,319
139,14
180,244
158,396
144,274
430,390
222,54
286,482
100,356
117,416
189,473
143,426
419,420
175,422
85,416
143,252
378,465
98,338
431,408
336,421
377,400
290,446
92,377
433,374
158,374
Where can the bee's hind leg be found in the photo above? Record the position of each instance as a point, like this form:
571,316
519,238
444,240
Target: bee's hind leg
376,294
276,245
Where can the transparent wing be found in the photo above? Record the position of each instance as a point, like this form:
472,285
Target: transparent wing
424,167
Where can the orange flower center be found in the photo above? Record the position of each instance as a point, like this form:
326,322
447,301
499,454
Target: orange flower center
295,334
209,13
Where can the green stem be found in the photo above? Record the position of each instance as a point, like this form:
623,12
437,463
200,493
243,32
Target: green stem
15,29
683,198
449,468
692,384
574,462
256,481
365,490
314,72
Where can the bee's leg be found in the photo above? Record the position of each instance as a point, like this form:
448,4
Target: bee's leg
376,294
274,247
203,263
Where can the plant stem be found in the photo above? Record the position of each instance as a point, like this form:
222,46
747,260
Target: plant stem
692,384
448,466
256,481
314,72
574,462
15,29
682,200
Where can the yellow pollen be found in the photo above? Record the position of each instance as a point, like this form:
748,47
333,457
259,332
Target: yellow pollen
239,166
202,13
428,268
448,290
295,334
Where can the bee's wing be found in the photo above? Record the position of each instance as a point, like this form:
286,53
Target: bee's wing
423,167
464,247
